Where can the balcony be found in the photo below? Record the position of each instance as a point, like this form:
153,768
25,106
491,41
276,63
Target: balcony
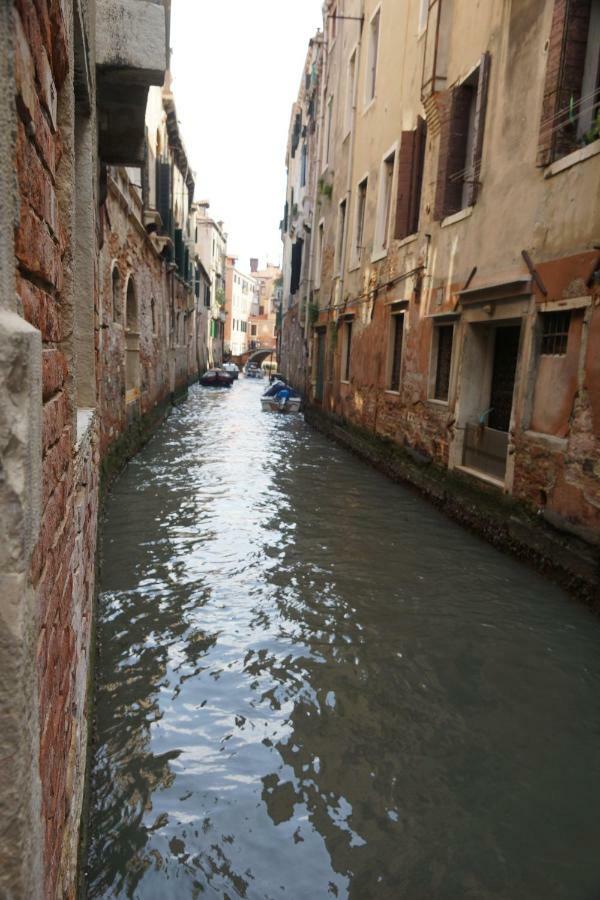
131,55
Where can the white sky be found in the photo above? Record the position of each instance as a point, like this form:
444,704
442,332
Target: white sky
237,66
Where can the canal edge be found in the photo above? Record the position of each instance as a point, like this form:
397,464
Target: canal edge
483,510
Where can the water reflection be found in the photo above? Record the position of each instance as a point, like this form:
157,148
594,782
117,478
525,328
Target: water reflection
310,684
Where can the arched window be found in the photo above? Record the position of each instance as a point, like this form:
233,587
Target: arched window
132,343
116,294
131,308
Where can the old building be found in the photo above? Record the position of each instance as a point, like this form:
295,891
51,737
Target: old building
455,275
241,296
211,249
264,322
102,323
301,233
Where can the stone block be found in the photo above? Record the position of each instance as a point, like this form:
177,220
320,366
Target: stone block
20,440
36,249
131,37
40,310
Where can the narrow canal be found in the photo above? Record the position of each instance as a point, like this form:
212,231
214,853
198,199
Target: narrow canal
310,684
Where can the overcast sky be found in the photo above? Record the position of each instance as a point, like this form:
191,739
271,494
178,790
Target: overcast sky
237,66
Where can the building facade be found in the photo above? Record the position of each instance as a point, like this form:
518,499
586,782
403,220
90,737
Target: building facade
241,299
102,324
211,250
453,279
263,324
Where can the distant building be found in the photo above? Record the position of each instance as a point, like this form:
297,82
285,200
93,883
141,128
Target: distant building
241,296
210,244
263,322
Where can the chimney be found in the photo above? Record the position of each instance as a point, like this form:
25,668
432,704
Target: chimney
253,265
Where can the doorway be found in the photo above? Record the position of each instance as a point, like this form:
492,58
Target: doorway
488,391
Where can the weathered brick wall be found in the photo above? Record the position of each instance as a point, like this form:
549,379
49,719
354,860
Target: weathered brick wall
62,569
127,247
293,350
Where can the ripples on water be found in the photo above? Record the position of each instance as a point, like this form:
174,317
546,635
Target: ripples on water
310,684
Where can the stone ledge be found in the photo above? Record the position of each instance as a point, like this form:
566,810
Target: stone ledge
501,520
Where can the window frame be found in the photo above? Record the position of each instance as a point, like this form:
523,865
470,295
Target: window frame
438,326
319,254
395,316
342,219
385,197
346,359
351,84
360,214
372,58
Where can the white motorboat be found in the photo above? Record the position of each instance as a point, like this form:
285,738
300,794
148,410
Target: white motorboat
281,398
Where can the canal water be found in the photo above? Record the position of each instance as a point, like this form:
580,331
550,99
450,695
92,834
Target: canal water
310,684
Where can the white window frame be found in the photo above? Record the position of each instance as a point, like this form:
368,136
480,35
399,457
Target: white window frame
373,54
357,254
327,132
382,228
351,80
319,253
340,235
423,17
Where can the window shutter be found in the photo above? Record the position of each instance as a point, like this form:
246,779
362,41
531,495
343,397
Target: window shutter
417,174
405,174
454,122
474,164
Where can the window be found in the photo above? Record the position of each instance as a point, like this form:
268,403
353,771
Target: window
304,165
319,254
341,228
350,91
396,341
411,163
461,143
207,295
153,314
443,336
571,102
385,202
361,205
253,328
328,127
555,333
296,273
423,13
346,351
372,59
261,310
116,294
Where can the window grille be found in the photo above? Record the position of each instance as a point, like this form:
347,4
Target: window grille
555,333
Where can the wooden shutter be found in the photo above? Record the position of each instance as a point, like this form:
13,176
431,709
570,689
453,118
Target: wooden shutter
564,76
454,122
417,174
410,179
405,173
474,164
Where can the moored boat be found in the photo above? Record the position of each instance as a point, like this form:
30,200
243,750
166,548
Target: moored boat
280,397
216,378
